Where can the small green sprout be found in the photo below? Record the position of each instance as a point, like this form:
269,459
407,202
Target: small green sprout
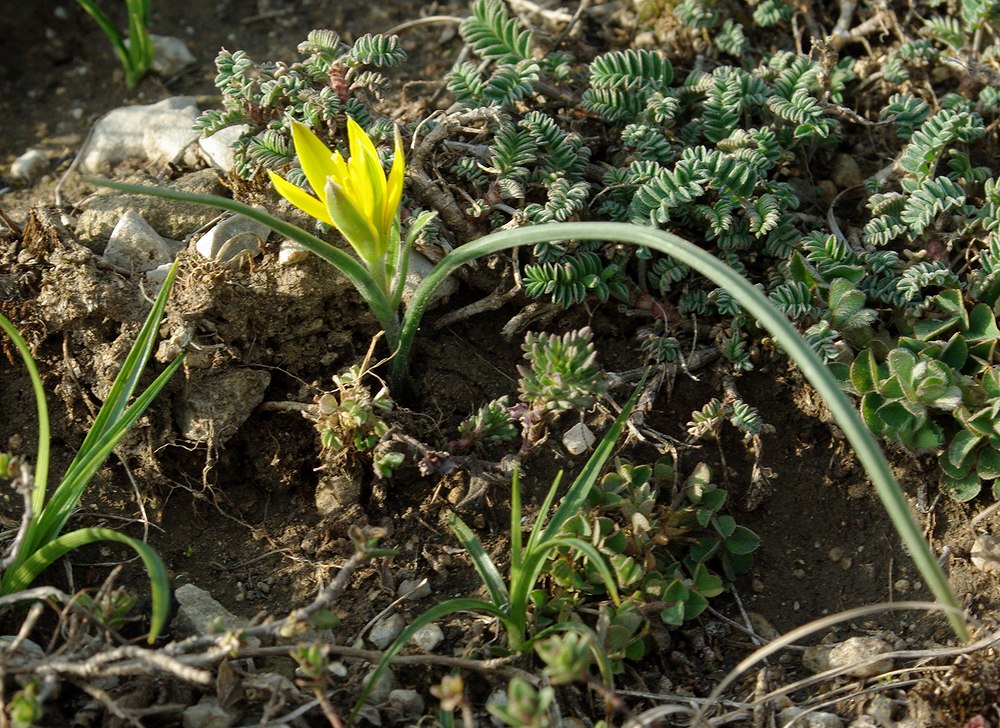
135,52
525,707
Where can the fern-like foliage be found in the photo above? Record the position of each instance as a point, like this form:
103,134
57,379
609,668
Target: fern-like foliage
562,152
570,279
723,104
928,200
731,39
512,151
495,35
375,50
794,299
921,155
907,112
621,83
565,199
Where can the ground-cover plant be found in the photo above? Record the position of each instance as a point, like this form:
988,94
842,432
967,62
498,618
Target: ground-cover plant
334,82
509,600
665,542
134,51
40,541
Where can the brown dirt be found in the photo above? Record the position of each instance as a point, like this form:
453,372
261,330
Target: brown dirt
238,517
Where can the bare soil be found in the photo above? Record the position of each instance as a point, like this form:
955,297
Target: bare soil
238,516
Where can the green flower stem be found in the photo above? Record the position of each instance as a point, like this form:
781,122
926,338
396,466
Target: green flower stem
757,305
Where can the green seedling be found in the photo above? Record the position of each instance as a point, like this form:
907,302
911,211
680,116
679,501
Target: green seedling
525,706
509,600
42,542
135,52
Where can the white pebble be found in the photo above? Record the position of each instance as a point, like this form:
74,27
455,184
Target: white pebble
427,638
578,439
386,630
159,133
135,246
231,237
29,166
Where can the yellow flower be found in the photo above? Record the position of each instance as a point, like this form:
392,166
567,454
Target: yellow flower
353,195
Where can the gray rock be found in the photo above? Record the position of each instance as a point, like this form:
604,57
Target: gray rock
159,133
414,588
27,652
29,166
846,172
135,246
231,237
386,630
218,148
418,269
407,704
427,637
385,685
172,220
337,490
170,55
218,403
814,719
985,554
290,253
207,714
200,614
853,654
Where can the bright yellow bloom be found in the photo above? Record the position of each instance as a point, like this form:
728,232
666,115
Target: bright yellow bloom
353,195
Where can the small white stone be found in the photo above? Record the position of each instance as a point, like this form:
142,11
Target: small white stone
427,637
158,275
207,714
386,630
852,656
218,148
159,133
231,237
170,55
578,439
29,166
986,553
291,252
135,246
414,588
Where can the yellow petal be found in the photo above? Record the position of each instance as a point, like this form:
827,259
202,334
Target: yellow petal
394,186
300,198
314,156
367,164
353,223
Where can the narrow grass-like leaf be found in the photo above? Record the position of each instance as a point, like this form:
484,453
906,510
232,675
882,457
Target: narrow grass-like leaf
481,560
42,461
28,570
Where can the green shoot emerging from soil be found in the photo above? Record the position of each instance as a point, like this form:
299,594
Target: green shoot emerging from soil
40,541
136,51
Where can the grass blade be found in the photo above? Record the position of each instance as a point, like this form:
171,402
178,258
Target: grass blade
42,461
28,570
485,567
